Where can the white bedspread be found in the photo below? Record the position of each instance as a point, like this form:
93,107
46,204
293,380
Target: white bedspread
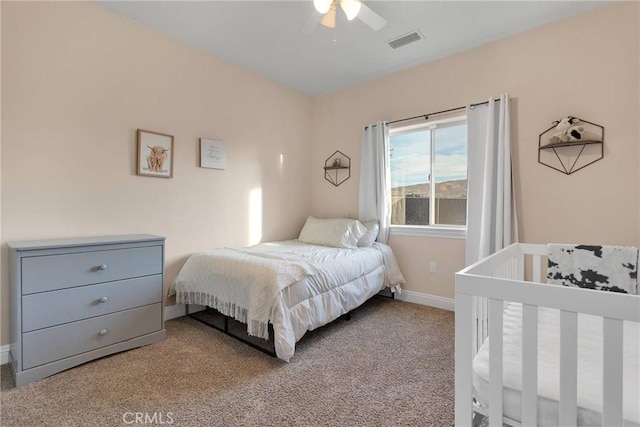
294,285
589,368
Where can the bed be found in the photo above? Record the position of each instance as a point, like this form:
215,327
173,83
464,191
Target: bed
280,290
533,353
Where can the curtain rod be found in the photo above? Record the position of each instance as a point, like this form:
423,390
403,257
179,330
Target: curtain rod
426,116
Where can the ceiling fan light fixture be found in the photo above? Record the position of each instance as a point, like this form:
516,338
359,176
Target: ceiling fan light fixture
322,6
351,8
329,18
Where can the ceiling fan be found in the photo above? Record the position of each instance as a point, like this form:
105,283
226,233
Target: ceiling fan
327,10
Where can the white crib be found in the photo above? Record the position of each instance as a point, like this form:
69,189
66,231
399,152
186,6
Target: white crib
482,292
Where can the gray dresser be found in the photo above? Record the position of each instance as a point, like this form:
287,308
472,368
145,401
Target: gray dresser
74,300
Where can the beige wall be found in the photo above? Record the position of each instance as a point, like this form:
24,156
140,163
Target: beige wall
586,66
4,289
79,80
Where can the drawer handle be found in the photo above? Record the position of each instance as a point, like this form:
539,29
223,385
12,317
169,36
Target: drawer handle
102,267
104,299
103,332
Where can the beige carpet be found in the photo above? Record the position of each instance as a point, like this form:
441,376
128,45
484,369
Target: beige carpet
390,365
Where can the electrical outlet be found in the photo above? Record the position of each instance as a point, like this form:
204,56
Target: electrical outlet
432,267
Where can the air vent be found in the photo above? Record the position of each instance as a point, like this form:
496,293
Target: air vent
413,36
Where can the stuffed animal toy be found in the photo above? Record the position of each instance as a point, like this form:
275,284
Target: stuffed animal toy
575,133
559,137
562,127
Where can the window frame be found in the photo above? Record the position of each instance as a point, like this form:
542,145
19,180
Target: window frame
431,230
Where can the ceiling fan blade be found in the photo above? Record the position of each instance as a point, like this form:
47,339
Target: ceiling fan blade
329,18
311,24
372,19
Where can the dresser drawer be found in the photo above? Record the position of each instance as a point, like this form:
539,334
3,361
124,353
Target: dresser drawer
55,343
68,305
51,272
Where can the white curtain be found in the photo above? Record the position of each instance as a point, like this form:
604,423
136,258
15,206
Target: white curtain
491,216
375,181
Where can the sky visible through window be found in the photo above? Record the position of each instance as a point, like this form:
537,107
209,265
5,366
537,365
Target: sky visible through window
410,156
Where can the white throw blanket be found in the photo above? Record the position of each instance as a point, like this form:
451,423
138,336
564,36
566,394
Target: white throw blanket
231,277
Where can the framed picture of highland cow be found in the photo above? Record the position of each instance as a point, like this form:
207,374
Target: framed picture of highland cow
155,154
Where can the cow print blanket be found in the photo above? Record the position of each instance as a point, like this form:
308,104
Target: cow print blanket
605,268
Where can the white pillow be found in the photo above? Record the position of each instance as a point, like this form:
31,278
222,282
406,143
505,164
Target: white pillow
339,232
370,235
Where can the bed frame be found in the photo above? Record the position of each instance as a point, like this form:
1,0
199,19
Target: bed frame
515,274
231,327
238,330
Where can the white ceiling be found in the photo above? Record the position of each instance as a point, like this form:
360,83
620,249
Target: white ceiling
264,36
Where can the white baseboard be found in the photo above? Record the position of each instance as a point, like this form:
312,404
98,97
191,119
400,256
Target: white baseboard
174,311
427,299
179,310
4,354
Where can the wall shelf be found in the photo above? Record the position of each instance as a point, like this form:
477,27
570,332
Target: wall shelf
337,168
570,157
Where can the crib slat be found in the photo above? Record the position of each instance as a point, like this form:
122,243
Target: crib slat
529,365
496,310
612,372
519,268
475,316
480,319
568,406
485,319
537,269
464,359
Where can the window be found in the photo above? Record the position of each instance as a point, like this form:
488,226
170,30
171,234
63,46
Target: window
426,157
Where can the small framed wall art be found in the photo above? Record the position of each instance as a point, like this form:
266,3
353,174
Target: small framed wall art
213,154
155,154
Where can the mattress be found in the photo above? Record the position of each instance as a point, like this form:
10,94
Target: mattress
339,280
589,368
